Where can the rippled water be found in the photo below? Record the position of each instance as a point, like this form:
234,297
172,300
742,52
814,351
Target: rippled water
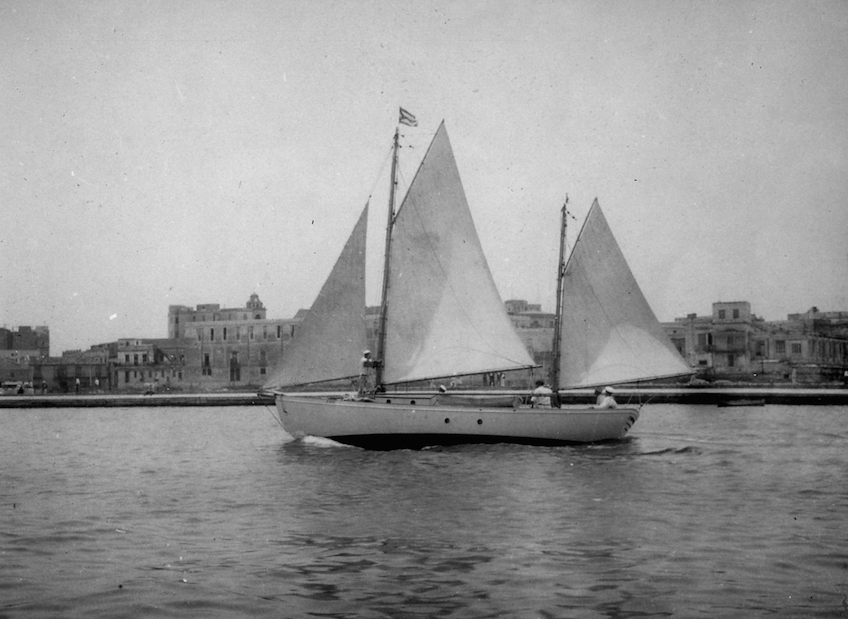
215,512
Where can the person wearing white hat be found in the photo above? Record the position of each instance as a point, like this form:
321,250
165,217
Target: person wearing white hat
366,374
608,399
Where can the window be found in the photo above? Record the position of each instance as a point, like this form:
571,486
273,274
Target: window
731,360
206,368
250,332
279,331
225,334
736,313
796,348
730,340
265,332
721,314
702,339
779,347
212,335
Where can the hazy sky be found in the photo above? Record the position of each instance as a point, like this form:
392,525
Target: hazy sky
159,153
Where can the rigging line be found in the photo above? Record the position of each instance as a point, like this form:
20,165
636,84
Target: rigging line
380,172
270,412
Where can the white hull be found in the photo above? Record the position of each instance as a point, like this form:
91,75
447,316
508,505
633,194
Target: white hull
409,424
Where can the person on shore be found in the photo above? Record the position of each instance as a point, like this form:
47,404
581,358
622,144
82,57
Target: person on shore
541,397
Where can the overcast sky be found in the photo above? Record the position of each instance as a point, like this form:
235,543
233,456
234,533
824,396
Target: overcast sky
159,153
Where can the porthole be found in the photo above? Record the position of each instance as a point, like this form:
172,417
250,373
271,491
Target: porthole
447,420
479,422
412,402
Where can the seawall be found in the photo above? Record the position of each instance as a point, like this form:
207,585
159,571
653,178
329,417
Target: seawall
676,395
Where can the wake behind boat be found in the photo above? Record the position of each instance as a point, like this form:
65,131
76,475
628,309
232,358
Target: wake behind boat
441,316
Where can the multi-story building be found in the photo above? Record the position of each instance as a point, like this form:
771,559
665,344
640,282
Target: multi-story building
229,347
733,343
535,329
25,342
140,364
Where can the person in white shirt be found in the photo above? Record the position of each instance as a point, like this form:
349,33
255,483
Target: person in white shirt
608,400
366,374
541,397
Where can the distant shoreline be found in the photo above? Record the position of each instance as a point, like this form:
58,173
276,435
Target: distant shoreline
674,395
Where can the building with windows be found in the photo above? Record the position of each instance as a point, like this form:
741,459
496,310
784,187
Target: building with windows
229,347
735,344
25,342
535,329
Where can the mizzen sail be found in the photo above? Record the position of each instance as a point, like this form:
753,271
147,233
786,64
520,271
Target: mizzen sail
609,332
445,316
328,343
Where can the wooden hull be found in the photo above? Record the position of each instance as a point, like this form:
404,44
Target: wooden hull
405,424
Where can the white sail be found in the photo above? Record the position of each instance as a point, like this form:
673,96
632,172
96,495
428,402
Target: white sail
328,343
444,314
609,332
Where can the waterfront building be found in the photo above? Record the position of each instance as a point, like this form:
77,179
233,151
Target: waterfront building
229,347
25,341
535,329
733,343
147,365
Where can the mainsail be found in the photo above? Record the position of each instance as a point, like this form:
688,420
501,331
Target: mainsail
445,316
328,343
609,334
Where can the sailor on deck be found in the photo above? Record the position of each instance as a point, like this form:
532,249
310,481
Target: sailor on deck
541,397
366,374
608,400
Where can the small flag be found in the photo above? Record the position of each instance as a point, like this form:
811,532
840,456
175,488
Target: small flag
407,119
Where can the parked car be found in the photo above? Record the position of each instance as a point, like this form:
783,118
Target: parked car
16,387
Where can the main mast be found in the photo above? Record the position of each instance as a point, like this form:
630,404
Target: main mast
381,338
558,315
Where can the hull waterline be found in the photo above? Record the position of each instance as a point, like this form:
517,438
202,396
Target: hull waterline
395,425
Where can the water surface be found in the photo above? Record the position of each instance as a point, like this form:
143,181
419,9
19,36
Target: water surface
215,512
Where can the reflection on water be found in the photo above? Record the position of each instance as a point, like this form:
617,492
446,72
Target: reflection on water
215,512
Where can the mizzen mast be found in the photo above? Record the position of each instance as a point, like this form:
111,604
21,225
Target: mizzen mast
558,316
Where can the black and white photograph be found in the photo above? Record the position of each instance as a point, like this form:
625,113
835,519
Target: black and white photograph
447,308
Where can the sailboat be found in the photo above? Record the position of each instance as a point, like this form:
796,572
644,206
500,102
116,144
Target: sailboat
441,316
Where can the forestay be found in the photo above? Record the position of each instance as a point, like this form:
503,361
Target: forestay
445,316
328,343
609,332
